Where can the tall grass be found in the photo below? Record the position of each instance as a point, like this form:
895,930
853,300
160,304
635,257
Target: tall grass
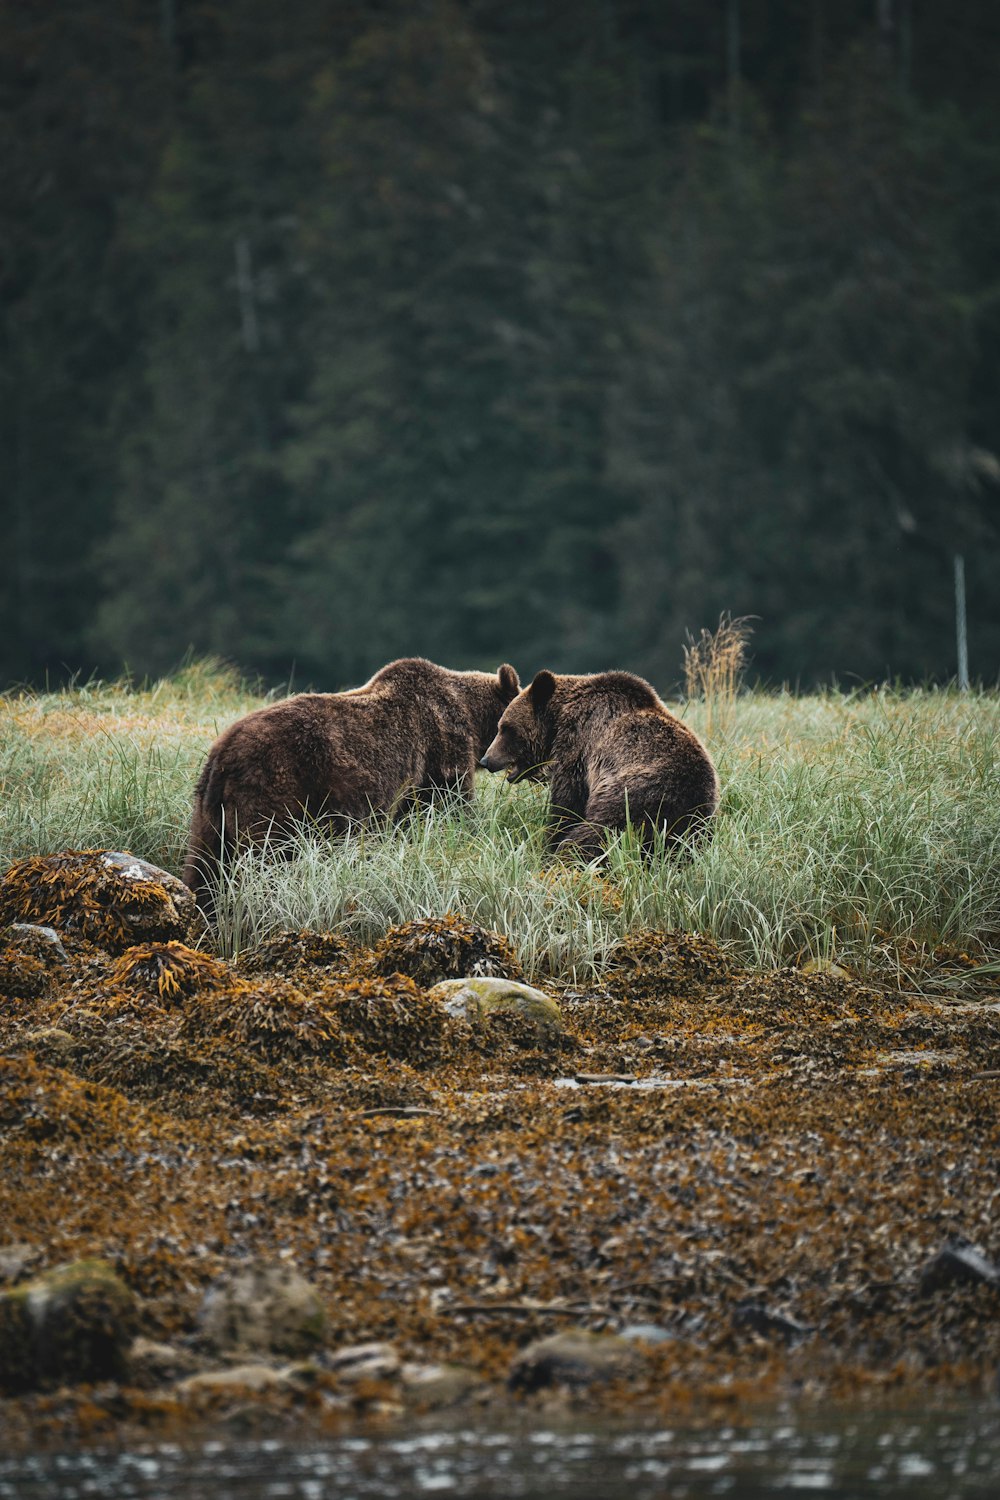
104,765
485,861
863,828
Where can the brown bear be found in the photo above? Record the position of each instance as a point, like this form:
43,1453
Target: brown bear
612,754
414,729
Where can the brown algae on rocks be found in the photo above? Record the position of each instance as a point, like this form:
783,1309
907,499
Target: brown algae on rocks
794,1152
109,898
433,949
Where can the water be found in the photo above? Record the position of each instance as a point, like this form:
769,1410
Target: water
947,1455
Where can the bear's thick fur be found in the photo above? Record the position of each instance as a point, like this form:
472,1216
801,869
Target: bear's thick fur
414,729
612,754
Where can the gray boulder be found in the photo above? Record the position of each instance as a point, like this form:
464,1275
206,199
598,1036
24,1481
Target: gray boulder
265,1307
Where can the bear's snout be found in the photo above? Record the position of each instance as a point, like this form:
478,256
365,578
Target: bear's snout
494,759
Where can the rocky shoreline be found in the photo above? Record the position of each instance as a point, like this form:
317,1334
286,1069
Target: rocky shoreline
330,1184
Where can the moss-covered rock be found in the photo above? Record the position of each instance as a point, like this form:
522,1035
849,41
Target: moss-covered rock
473,999
75,1323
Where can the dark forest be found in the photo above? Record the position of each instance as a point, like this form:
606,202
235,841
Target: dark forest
485,330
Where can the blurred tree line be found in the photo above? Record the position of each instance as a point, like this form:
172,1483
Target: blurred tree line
485,329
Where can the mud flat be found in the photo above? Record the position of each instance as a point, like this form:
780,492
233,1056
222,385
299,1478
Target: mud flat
689,1189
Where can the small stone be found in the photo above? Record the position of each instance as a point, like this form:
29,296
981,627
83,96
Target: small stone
250,1377
433,1387
355,1362
770,1323
474,999
956,1265
152,1364
646,1333
577,1359
16,1258
263,1306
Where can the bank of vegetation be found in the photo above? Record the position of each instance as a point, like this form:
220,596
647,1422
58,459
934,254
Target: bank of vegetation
858,828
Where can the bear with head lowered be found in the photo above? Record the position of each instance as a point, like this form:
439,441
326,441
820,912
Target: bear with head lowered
338,758
612,754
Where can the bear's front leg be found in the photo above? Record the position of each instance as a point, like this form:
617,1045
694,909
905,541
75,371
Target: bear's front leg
585,838
566,804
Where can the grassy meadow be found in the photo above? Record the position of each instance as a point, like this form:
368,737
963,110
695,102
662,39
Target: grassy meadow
862,828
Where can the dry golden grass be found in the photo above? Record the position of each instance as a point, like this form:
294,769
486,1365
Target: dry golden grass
713,671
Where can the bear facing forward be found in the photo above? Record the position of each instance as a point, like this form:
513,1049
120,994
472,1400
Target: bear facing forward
612,754
413,729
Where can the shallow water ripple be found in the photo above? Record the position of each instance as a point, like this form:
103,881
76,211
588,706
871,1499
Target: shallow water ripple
947,1456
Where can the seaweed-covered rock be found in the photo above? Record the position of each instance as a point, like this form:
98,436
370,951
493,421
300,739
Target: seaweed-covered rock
392,1018
47,1104
74,1323
650,965
269,1018
436,948
28,956
168,970
293,951
44,942
108,898
22,976
576,1358
476,999
263,1306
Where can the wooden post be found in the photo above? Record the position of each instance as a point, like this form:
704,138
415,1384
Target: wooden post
961,634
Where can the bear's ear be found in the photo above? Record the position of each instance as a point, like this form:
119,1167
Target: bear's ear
541,690
510,683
